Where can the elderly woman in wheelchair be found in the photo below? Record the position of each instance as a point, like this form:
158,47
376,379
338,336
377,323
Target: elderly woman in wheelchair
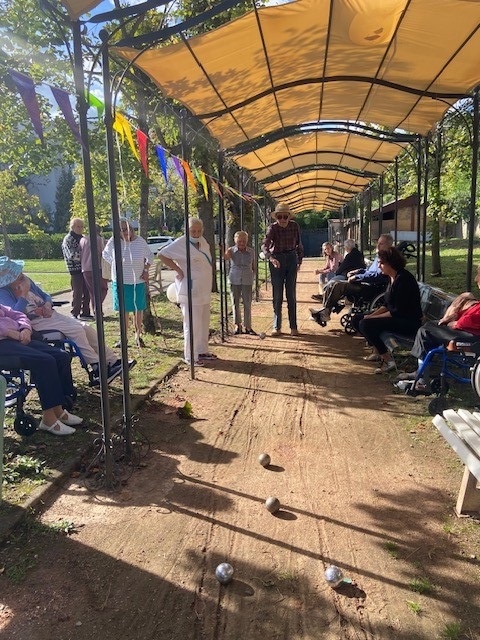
21,294
49,368
457,332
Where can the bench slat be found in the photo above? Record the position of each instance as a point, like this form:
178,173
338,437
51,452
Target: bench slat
464,453
470,419
464,430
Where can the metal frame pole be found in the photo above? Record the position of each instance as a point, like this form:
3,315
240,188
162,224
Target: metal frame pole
473,189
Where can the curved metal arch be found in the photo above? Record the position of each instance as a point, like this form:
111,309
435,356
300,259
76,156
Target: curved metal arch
317,152
294,188
319,167
321,80
328,126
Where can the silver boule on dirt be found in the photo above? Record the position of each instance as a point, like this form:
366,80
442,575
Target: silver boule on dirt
264,459
272,504
224,573
262,335
334,576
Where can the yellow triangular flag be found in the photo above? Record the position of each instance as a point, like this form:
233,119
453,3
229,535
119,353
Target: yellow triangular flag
203,180
127,131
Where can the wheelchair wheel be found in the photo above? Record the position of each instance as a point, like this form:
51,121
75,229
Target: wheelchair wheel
377,302
475,378
25,425
437,387
350,329
345,319
437,405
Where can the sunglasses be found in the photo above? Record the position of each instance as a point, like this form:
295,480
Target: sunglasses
283,217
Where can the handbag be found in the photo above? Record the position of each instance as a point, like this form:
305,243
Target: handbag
106,270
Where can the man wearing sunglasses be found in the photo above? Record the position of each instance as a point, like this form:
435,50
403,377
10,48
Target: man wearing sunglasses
283,249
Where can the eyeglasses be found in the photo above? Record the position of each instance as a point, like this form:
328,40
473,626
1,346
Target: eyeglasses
281,217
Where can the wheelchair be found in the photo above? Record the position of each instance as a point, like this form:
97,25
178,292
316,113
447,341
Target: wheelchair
370,299
19,385
459,362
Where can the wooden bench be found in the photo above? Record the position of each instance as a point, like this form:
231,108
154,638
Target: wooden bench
461,429
155,285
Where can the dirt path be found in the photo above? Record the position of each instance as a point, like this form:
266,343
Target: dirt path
360,487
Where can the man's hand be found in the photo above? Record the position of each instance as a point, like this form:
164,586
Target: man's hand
352,278
275,263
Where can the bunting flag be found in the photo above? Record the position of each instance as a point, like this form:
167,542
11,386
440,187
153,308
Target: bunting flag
179,168
63,101
26,88
203,182
188,173
122,126
93,101
160,151
216,187
142,140
247,196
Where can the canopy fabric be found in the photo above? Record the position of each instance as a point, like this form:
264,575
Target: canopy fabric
396,63
76,8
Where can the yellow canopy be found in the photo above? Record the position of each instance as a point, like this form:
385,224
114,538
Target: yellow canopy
396,64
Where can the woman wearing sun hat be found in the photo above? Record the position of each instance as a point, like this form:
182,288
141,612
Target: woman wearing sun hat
283,249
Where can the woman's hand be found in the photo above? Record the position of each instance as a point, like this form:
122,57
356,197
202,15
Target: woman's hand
47,310
13,334
275,263
180,274
25,336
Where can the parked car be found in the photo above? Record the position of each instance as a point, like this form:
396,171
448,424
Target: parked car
156,243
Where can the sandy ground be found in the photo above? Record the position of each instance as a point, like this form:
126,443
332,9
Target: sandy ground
363,483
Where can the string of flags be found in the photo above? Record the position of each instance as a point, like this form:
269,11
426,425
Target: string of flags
26,88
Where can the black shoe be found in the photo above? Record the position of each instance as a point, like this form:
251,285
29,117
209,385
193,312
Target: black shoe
250,332
317,296
238,331
86,316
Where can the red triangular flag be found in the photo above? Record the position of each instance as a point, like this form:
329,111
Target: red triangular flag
142,140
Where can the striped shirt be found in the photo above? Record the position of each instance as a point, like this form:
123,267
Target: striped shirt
135,255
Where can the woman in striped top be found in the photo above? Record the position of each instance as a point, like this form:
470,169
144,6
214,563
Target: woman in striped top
136,257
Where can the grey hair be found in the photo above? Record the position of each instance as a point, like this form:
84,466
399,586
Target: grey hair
195,221
349,243
387,237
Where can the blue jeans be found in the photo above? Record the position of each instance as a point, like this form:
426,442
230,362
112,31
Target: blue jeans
285,275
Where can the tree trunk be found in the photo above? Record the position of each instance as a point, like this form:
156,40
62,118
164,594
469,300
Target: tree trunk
436,206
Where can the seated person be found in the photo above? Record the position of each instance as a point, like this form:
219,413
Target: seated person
352,261
332,262
49,367
460,322
402,311
354,285
20,293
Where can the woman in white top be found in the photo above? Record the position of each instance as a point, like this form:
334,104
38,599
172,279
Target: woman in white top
136,257
174,256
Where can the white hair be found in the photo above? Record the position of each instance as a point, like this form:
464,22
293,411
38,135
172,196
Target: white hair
349,243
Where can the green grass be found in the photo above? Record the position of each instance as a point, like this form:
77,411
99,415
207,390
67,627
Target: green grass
421,585
452,631
415,607
50,275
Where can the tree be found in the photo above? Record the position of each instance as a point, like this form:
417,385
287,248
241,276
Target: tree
63,200
16,205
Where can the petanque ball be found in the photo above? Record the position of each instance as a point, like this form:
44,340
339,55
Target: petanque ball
272,504
262,336
264,459
224,573
334,576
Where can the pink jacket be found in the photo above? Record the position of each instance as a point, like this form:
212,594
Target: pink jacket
10,319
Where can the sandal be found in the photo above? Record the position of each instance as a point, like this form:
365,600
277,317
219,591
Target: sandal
250,332
207,356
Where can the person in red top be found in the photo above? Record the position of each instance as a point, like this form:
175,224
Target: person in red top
283,249
460,322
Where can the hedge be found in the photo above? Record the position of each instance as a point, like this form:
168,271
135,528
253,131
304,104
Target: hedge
25,247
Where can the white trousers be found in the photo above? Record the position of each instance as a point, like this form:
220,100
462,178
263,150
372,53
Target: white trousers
84,335
201,328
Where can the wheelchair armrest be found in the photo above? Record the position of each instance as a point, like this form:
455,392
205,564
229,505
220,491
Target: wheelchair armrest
464,346
49,335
